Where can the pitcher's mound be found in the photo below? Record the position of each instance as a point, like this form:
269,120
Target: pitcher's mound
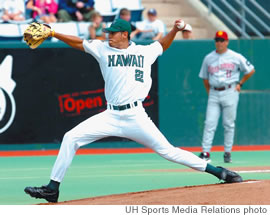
245,193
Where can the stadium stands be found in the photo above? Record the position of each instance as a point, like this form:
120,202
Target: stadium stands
106,10
14,32
135,7
109,9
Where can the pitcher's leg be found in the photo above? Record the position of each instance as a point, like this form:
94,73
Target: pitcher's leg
211,122
144,131
90,130
229,115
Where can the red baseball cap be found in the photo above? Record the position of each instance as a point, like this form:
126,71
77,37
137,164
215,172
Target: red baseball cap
222,34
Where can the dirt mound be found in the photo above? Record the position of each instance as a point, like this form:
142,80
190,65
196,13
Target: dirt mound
245,193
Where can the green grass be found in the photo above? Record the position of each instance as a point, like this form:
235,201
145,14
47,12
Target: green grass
96,175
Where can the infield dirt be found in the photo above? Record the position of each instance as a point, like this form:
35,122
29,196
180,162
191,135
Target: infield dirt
246,193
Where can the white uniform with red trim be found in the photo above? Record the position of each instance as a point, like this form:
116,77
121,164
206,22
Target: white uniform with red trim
223,72
127,76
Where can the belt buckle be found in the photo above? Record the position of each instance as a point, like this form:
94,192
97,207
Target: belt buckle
114,107
222,88
123,107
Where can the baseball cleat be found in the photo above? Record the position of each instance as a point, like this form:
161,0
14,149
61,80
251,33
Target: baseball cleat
227,157
42,193
229,176
205,156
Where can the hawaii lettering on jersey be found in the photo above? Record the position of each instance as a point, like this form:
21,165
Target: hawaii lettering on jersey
224,66
128,60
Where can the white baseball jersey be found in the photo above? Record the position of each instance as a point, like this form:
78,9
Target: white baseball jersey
224,69
126,72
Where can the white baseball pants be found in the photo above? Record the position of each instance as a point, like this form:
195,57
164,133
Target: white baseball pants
220,101
131,123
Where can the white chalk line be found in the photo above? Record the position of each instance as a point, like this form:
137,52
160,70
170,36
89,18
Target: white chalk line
250,182
254,171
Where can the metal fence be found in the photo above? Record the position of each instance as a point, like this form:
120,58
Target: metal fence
246,18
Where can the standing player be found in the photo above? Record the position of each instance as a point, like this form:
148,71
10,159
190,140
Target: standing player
126,69
220,72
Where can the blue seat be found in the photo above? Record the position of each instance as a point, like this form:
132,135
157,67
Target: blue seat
108,17
136,15
11,38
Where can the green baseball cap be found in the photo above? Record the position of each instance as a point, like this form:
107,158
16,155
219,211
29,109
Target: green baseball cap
118,25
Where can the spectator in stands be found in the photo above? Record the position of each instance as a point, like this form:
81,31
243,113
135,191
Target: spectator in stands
43,9
125,14
96,26
187,32
75,10
13,10
152,28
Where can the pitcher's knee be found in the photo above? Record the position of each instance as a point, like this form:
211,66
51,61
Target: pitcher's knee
70,139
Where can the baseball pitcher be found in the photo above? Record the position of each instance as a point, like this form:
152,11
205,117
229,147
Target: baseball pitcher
126,69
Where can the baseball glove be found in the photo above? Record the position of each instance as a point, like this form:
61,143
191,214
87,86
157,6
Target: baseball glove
36,33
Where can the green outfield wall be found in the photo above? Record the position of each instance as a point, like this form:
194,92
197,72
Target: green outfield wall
183,99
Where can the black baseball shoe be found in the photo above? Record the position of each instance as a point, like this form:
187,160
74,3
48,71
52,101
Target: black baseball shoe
205,156
43,193
229,176
227,157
